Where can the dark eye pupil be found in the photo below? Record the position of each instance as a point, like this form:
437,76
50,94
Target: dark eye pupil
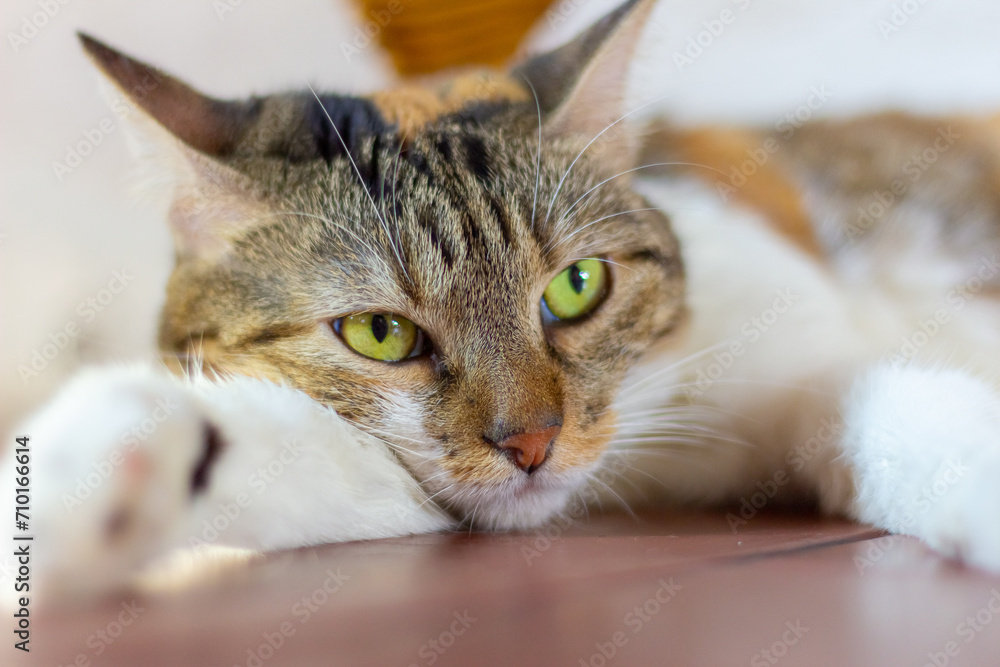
380,328
575,279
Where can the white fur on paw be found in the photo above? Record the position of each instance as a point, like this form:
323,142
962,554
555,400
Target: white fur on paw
925,445
112,461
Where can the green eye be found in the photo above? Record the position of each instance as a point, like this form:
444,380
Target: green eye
381,336
577,290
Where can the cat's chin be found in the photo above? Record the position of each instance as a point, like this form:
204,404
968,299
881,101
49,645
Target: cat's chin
521,507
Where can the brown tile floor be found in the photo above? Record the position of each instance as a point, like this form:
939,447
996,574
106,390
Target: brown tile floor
666,590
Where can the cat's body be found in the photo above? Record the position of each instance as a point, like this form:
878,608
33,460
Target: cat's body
816,354
857,355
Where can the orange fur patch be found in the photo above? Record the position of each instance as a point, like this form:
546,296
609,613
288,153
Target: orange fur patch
767,189
482,86
409,107
413,106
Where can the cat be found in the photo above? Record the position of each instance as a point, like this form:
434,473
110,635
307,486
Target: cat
479,302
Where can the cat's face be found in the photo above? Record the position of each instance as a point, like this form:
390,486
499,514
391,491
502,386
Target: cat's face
469,286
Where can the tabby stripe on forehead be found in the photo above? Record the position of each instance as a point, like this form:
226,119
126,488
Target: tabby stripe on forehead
470,230
444,148
477,158
502,217
477,162
472,234
397,205
533,224
353,119
428,222
370,173
418,161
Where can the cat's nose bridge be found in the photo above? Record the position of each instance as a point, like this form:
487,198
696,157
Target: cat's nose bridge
521,380
522,407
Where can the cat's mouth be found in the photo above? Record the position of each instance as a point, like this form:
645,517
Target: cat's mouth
508,480
518,501
503,494
529,486
520,505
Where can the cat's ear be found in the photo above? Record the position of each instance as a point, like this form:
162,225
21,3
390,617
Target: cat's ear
190,135
207,125
582,86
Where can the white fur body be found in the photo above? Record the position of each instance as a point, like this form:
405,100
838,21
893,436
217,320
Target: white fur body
869,383
119,445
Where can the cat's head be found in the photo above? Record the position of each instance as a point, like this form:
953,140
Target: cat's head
462,271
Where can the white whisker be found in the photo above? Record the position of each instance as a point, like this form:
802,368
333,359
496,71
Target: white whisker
691,358
620,499
340,227
594,222
629,171
361,180
552,202
538,153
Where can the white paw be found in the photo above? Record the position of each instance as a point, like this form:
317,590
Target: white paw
926,448
112,465
957,511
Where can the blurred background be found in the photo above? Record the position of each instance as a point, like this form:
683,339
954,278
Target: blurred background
84,255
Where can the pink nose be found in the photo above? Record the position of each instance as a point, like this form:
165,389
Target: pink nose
528,450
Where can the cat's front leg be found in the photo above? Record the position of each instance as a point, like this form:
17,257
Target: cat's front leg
922,447
129,463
